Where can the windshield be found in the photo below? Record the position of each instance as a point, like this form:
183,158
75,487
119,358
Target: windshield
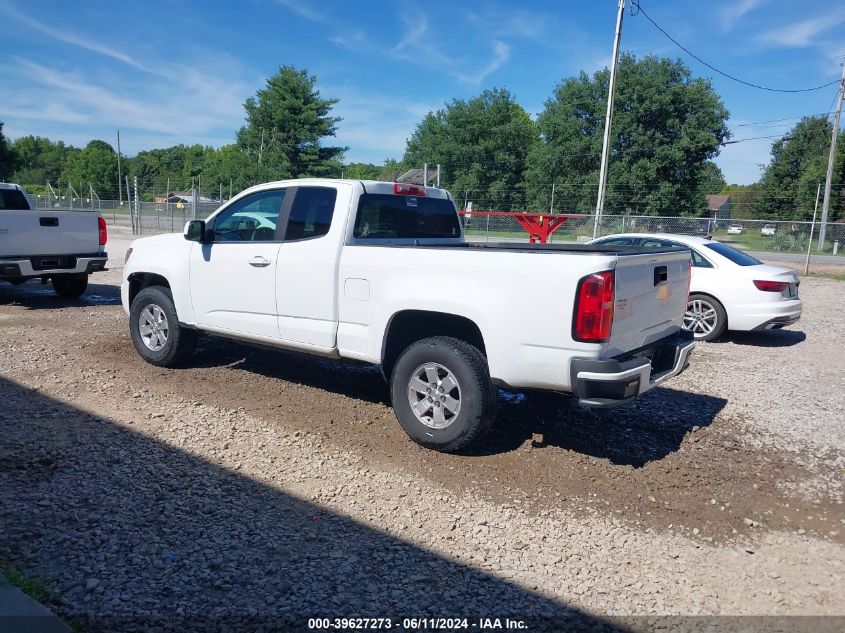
13,200
737,257
388,216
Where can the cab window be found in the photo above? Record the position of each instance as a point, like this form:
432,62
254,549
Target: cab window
311,213
253,218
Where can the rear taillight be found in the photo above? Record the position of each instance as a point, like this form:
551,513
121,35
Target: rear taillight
771,286
104,232
593,317
408,189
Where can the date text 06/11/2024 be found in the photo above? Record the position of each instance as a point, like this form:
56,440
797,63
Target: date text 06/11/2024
415,624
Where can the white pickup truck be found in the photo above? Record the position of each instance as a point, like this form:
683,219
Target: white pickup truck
62,246
381,273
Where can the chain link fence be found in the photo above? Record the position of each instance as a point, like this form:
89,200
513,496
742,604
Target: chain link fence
773,236
778,236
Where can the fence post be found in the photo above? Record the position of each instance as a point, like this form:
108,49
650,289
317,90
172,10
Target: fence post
129,206
137,206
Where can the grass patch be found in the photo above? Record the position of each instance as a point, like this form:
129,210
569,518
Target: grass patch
825,275
31,586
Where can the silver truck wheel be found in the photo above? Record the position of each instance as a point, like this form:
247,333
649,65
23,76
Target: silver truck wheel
442,393
156,332
434,395
153,327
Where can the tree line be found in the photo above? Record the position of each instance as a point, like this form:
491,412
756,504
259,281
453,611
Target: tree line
668,126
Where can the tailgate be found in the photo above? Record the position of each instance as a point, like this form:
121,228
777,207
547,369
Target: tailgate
650,299
46,232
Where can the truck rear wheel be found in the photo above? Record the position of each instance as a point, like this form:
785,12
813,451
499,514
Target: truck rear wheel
442,393
70,286
156,333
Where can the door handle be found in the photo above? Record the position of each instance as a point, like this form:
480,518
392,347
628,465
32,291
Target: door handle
259,262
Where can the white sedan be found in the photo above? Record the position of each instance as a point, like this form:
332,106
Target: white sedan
729,290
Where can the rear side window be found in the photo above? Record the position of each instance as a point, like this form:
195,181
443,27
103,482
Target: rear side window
387,216
617,241
311,214
13,200
737,257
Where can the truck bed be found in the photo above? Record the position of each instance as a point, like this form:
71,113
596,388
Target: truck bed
519,247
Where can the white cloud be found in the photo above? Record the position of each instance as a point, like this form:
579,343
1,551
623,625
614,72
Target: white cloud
374,126
69,38
500,23
735,11
501,55
804,33
304,9
420,46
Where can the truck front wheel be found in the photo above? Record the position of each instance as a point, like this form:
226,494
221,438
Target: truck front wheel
70,286
155,329
442,393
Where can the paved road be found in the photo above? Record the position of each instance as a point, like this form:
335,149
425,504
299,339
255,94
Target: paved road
792,257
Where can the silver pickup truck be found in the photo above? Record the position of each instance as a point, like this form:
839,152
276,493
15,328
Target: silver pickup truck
62,246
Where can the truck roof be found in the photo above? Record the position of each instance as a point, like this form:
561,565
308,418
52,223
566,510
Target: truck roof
370,186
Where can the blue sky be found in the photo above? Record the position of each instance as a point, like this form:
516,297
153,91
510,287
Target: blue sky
178,71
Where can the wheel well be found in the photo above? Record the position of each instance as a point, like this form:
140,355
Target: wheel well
139,281
409,326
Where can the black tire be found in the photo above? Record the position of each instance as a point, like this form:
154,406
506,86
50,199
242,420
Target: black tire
70,286
721,317
180,341
477,395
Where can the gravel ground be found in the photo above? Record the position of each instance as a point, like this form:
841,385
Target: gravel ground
264,484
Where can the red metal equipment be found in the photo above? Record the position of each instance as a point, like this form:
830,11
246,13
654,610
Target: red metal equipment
539,226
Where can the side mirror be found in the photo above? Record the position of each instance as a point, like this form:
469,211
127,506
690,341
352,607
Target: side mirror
195,231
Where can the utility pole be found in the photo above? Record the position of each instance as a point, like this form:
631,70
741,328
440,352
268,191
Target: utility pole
119,180
826,203
611,93
552,203
812,226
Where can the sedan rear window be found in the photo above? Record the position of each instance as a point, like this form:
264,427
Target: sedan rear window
737,257
13,200
386,216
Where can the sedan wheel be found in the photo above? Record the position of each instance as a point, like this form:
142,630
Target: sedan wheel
705,318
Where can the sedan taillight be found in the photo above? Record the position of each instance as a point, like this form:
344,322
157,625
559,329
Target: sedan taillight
771,286
593,318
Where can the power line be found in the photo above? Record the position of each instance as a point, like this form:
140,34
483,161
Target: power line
721,72
791,118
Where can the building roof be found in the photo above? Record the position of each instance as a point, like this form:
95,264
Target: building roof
716,202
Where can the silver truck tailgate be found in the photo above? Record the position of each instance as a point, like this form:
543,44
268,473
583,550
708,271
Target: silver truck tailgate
650,299
46,232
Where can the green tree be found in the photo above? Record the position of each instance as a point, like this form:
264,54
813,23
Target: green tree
229,165
713,180
667,125
8,157
798,164
95,165
482,146
745,200
39,160
362,171
285,124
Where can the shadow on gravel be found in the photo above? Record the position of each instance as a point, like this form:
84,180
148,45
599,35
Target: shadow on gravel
769,338
348,378
648,429
136,534
33,295
645,430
